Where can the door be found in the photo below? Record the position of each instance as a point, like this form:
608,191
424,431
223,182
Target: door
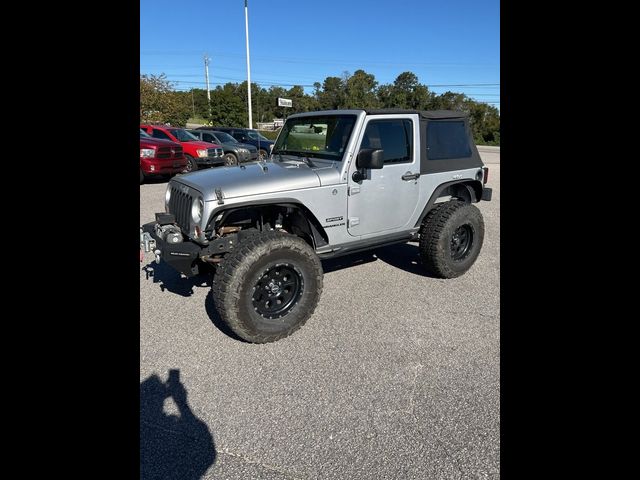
207,137
385,201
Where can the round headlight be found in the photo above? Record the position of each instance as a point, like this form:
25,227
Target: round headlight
167,197
196,210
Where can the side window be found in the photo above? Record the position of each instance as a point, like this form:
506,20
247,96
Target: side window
160,134
395,137
207,137
447,140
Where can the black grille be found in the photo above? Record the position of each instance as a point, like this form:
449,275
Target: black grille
180,206
214,152
165,152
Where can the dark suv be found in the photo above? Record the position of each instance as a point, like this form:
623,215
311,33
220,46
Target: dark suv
247,135
234,151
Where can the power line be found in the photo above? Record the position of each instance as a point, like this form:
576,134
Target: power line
324,61
308,85
474,85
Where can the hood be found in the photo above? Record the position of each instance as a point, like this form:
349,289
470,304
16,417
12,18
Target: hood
157,142
251,178
200,144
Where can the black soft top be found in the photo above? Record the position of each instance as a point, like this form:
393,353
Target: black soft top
426,114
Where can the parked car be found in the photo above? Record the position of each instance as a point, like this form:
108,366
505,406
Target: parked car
199,154
234,151
247,135
159,157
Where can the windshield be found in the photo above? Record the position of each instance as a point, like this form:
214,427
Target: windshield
144,134
183,135
319,137
257,136
224,137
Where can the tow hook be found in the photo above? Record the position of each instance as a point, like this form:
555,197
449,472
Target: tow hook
148,243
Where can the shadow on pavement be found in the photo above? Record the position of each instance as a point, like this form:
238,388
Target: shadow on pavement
169,279
334,264
172,447
404,256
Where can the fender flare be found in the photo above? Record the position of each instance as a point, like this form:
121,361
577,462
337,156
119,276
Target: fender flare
473,189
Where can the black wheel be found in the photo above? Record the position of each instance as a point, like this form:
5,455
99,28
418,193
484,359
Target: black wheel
141,177
230,159
268,287
192,166
262,154
451,237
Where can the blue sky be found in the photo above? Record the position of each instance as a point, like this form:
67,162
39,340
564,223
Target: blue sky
299,42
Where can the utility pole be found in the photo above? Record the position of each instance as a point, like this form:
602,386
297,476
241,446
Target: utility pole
206,75
246,28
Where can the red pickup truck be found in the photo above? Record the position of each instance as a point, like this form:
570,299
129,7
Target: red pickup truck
198,153
160,157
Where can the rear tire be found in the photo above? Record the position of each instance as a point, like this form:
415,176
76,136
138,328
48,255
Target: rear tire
268,287
451,237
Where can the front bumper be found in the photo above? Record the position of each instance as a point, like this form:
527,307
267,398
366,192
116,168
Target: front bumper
247,157
162,167
180,256
184,256
210,161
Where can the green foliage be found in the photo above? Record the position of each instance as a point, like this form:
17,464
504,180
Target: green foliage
360,91
159,103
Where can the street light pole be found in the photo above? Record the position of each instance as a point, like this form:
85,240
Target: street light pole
246,26
206,74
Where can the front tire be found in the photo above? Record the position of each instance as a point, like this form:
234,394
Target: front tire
262,154
268,287
192,166
451,237
230,160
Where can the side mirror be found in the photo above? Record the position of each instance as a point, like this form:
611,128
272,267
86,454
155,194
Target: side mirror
271,148
370,158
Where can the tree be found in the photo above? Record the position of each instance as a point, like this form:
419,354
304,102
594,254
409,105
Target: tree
332,95
405,92
360,91
159,103
227,107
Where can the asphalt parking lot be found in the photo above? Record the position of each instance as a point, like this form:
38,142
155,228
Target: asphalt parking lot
396,375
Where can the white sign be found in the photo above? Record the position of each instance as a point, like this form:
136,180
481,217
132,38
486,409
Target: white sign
285,102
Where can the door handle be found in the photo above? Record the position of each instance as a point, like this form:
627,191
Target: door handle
410,176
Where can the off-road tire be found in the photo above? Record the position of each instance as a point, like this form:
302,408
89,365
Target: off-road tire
440,249
238,278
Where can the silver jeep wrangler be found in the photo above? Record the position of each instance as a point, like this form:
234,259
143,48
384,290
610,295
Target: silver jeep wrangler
336,182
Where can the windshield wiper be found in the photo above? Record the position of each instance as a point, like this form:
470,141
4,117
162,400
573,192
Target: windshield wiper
303,156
